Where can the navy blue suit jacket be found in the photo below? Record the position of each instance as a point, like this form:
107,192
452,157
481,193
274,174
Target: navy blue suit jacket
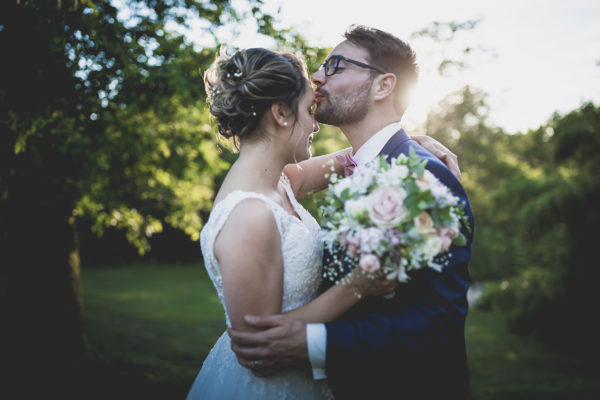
411,346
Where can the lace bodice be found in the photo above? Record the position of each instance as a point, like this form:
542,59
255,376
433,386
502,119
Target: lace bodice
300,247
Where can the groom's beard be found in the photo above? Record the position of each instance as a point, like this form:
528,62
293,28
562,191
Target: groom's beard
340,111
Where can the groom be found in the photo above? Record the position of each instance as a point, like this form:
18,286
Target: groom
411,346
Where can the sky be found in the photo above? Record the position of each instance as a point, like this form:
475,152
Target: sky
532,57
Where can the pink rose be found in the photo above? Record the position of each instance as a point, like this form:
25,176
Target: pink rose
386,207
353,244
447,234
369,263
446,243
450,231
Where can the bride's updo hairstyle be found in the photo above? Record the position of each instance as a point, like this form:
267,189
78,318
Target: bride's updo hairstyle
243,86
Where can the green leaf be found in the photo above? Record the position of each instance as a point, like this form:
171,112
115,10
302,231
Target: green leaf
411,202
460,240
415,163
345,195
383,164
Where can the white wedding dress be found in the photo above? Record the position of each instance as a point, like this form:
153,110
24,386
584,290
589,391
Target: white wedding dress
221,376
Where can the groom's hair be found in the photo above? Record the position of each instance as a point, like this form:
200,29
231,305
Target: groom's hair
389,54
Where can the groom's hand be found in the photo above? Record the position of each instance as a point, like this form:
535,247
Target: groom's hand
280,343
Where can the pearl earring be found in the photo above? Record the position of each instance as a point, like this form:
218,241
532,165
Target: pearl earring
285,123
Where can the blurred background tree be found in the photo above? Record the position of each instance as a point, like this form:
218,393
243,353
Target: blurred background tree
534,196
551,200
104,125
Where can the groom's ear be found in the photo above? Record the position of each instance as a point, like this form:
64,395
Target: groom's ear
280,113
384,86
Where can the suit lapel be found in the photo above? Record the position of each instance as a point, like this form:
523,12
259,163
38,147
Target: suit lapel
395,141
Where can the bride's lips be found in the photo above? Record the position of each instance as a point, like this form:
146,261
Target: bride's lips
310,140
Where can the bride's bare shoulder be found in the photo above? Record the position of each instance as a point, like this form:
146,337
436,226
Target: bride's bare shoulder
250,225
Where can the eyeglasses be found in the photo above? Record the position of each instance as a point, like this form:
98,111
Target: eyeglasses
332,64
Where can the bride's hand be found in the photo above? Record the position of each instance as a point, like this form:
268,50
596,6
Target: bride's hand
440,151
375,284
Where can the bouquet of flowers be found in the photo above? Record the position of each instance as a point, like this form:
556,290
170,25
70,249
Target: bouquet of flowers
389,217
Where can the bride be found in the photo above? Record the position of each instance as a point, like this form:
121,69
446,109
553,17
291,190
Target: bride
260,246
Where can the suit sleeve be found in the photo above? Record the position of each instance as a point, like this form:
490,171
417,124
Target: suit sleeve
424,321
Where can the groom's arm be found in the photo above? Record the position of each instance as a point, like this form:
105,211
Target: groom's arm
316,341
280,343
282,339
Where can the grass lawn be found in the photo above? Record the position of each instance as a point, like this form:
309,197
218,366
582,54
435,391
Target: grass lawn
505,366
149,327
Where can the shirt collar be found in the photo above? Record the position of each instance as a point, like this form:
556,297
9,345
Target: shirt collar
372,147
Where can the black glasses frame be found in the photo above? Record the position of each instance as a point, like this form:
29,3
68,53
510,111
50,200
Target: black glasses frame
336,64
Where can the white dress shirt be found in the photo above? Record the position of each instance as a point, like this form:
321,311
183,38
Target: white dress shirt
316,334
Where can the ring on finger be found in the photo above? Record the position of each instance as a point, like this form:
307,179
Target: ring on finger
255,363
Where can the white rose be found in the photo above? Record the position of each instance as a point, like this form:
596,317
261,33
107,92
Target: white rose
342,185
426,181
402,158
362,177
355,207
393,176
442,193
399,171
432,246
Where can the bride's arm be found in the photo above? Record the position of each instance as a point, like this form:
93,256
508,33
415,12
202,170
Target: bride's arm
247,249
341,297
440,151
308,177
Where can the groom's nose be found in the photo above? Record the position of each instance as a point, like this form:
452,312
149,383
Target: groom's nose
318,78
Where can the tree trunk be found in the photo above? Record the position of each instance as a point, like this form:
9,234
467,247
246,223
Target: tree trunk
42,307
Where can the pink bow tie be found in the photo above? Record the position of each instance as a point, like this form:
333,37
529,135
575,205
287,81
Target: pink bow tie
348,162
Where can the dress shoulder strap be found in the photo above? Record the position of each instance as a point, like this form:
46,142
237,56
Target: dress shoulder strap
222,209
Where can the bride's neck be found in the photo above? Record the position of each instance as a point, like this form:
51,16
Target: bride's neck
260,164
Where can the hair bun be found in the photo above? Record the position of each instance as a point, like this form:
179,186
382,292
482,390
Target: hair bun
242,86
